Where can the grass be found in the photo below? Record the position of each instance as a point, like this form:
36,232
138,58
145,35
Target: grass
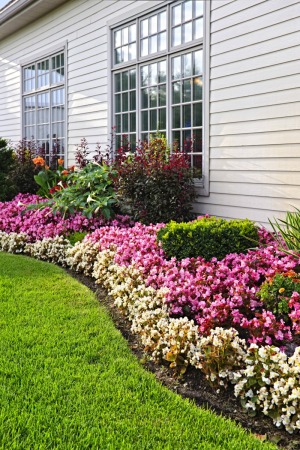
69,381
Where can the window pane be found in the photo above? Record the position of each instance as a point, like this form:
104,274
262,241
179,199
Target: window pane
144,47
153,25
162,21
199,8
144,120
187,32
162,41
153,97
132,100
132,33
187,122
118,102
118,123
145,76
124,123
162,119
132,122
125,54
198,27
125,35
188,10
176,15
162,95
176,92
117,82
144,28
132,79
118,55
153,120
118,38
176,68
144,98
153,44
187,65
186,91
132,51
197,88
153,74
176,117
124,81
198,62
162,72
197,114
125,101
176,36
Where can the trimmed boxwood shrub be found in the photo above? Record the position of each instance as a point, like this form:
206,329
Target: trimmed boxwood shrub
207,237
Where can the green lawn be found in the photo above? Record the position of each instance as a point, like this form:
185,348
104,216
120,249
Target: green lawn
69,381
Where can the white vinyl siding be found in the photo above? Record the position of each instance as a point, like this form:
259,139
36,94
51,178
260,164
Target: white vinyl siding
254,109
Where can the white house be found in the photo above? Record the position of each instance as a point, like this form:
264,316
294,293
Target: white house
221,77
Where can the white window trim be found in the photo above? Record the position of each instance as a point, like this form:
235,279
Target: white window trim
46,53
203,184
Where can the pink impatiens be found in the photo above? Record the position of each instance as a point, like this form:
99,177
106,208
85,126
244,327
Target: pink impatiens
214,293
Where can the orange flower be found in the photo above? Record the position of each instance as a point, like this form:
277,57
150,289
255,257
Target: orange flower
39,161
65,172
71,168
47,167
60,162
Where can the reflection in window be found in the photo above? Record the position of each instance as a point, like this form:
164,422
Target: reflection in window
125,106
44,107
125,44
187,22
187,105
153,99
154,34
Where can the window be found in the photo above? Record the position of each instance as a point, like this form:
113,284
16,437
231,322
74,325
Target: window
158,78
44,104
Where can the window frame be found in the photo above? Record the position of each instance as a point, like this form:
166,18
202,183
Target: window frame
136,15
34,60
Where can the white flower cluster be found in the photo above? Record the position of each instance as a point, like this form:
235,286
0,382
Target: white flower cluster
53,250
82,257
270,382
219,355
13,242
163,337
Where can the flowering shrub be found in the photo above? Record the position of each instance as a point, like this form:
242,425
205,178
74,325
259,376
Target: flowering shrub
270,382
41,223
53,250
219,355
51,180
13,242
154,183
21,176
281,295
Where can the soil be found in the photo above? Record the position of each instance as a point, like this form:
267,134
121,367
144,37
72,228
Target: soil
193,384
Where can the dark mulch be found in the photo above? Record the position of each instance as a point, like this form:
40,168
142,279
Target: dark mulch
192,384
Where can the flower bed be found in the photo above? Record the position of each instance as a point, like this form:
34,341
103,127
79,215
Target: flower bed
207,314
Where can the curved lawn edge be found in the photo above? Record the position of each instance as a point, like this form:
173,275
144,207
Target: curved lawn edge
69,381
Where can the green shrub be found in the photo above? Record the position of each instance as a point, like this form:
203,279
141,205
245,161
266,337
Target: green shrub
77,236
6,164
207,237
21,177
154,184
